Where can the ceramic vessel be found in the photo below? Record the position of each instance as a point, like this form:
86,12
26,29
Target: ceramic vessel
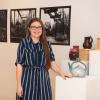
73,54
78,68
87,42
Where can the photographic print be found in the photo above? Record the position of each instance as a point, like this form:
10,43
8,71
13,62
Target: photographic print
18,21
3,25
57,24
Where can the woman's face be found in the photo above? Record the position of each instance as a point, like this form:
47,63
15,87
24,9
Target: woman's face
35,29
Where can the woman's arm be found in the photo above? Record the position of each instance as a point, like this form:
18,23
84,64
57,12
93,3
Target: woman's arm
18,78
56,68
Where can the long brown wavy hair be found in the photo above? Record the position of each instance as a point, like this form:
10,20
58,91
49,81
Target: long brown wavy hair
43,40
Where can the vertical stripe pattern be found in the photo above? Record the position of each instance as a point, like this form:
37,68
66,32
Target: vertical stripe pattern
35,77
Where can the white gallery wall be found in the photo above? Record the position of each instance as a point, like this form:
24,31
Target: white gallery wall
85,21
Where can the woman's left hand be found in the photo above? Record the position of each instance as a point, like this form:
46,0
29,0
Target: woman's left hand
60,71
65,75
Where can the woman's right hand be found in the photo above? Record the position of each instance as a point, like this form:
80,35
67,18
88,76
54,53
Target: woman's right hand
19,91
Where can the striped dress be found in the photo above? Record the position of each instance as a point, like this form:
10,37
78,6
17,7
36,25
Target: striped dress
35,77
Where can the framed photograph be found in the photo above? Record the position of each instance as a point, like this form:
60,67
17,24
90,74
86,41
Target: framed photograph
3,25
56,21
18,21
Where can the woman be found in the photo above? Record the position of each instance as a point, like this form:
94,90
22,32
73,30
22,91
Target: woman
34,58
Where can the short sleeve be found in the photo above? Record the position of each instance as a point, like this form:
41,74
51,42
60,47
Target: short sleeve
20,54
52,57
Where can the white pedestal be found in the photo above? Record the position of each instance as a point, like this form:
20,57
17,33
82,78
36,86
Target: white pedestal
87,88
94,63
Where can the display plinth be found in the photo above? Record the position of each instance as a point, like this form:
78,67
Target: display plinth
94,63
87,88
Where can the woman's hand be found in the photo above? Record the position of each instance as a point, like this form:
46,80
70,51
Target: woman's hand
19,91
60,71
65,75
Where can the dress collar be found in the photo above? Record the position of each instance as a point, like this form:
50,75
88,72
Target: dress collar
31,41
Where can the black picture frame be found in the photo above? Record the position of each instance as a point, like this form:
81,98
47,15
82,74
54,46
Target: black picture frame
18,21
3,25
56,21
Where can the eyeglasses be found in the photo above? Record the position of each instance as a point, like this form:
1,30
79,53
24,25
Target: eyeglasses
36,27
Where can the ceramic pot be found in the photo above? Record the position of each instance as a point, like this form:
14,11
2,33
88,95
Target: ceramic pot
87,42
73,54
